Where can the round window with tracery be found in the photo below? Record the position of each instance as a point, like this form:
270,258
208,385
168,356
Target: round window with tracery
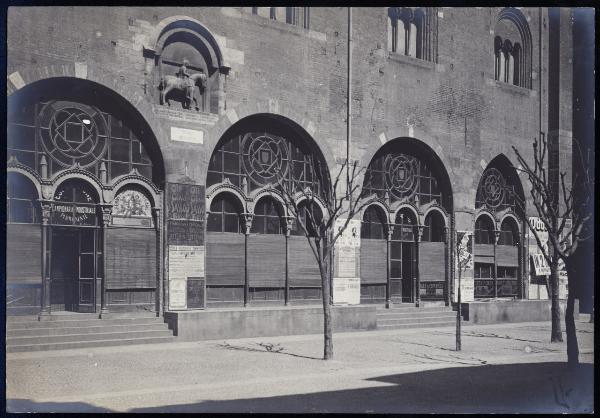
265,158
401,175
493,188
73,134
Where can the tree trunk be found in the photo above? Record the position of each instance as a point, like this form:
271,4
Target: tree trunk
327,320
572,345
556,335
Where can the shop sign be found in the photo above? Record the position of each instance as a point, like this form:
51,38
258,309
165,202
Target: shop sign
67,214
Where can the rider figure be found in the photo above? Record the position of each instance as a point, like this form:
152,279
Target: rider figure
183,73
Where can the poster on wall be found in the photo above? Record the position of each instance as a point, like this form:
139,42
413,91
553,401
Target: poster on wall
351,235
346,290
540,265
464,256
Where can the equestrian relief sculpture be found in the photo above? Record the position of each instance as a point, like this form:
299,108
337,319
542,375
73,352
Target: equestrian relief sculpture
184,83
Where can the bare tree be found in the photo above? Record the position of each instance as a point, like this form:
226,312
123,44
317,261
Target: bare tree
565,221
340,201
464,256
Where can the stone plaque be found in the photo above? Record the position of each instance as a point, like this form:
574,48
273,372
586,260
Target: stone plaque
346,290
177,293
187,135
186,261
467,292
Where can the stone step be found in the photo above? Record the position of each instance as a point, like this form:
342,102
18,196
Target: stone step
413,312
422,320
413,308
416,325
95,329
87,344
70,316
64,338
70,323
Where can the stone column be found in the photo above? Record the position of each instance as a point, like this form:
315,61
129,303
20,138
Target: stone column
448,264
46,213
248,225
106,219
159,264
417,277
496,238
289,223
388,288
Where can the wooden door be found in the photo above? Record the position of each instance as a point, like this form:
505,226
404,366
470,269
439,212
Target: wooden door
64,268
86,289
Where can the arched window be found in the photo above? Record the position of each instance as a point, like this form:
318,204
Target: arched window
225,214
512,48
497,192
484,230
433,230
256,159
407,32
55,135
22,205
404,226
304,210
268,217
374,224
509,233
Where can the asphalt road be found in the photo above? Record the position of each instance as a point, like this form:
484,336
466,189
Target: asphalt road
502,368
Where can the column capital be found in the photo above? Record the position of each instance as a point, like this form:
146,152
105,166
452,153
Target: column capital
106,215
289,224
46,211
496,236
248,222
157,219
420,232
390,231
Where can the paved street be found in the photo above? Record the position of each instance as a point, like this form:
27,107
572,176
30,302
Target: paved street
502,368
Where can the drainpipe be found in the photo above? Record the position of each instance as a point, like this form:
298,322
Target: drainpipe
349,107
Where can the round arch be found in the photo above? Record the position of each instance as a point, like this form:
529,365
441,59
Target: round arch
268,194
126,181
34,179
435,209
381,206
79,175
285,120
227,190
503,164
423,151
103,93
411,209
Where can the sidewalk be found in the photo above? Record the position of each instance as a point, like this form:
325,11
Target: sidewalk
502,368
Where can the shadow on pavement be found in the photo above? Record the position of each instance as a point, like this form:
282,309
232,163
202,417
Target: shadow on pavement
26,405
524,388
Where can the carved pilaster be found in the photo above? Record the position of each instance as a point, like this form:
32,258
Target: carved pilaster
106,220
106,215
289,225
46,216
390,231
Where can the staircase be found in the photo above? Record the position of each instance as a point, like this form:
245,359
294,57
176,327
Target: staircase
66,331
426,316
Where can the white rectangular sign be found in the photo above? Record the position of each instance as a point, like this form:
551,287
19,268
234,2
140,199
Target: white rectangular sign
177,293
346,290
186,261
187,135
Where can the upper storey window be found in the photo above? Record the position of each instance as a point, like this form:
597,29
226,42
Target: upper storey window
512,49
410,32
297,16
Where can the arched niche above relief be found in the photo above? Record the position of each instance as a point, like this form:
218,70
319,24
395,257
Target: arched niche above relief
186,71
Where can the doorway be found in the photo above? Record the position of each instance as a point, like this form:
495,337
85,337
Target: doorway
74,268
403,258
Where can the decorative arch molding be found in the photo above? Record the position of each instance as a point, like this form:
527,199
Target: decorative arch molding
380,204
122,182
14,166
169,25
503,164
216,189
514,217
267,192
109,85
299,198
438,209
305,128
397,208
483,212
79,174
